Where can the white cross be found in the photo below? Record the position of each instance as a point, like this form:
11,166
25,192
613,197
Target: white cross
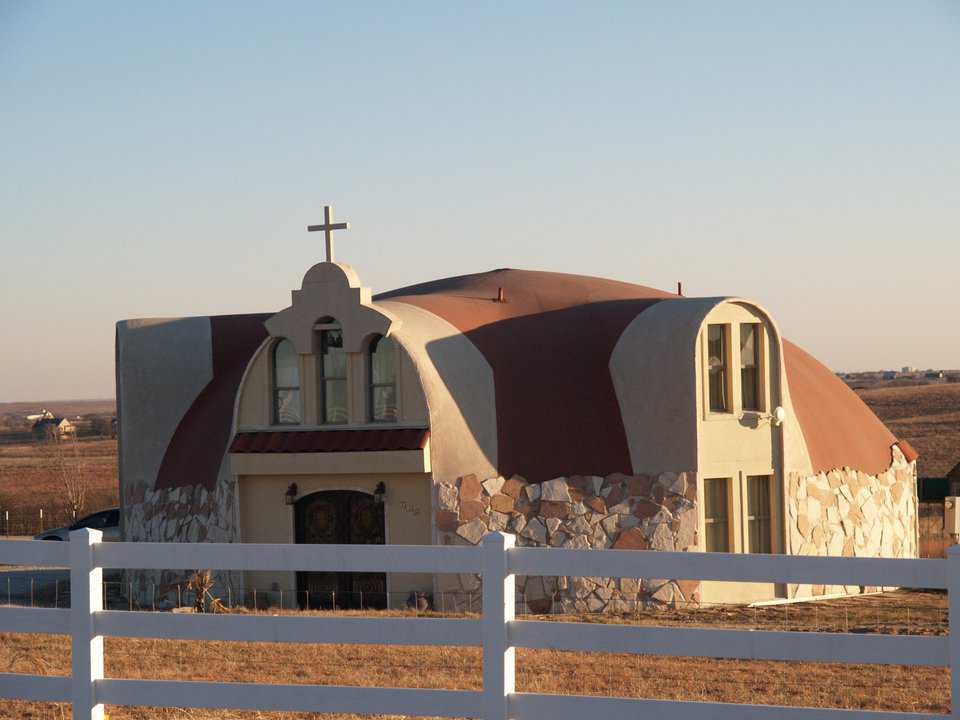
328,227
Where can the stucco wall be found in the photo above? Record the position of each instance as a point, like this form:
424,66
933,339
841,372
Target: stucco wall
162,365
630,512
457,382
850,513
255,403
264,518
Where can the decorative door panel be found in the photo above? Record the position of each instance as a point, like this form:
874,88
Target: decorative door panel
340,517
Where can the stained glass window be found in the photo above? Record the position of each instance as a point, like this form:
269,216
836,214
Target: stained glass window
383,380
286,384
333,378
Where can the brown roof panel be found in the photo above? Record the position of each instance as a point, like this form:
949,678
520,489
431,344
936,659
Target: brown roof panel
322,441
549,345
195,452
839,428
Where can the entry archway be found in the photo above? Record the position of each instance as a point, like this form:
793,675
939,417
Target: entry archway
341,517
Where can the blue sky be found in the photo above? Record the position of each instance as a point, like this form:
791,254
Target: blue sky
163,160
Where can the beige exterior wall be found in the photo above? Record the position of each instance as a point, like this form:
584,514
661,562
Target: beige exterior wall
655,377
264,518
739,443
661,382
457,383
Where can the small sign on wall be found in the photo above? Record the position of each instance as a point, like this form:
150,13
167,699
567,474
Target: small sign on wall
410,508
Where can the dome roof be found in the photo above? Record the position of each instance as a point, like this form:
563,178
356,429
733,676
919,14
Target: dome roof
549,343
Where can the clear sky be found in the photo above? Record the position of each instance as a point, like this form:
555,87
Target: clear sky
162,159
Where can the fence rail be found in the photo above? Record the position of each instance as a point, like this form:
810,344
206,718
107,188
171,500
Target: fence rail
496,631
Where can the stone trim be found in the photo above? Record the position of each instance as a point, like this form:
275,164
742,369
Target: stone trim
635,512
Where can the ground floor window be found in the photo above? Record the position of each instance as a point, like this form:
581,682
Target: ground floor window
716,506
759,530
739,514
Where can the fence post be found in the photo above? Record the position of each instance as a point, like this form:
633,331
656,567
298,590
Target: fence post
499,657
86,598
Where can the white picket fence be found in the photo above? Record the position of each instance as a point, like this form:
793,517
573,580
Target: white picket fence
497,631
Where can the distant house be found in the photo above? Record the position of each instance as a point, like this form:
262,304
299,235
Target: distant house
953,480
53,427
890,375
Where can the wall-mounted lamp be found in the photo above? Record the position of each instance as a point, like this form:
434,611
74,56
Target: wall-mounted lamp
379,493
290,496
776,418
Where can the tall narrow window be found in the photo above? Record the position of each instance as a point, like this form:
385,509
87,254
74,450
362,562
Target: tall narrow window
286,384
758,513
717,367
333,378
383,380
750,366
716,514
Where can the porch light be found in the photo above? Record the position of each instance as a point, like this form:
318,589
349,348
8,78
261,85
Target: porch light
379,492
290,496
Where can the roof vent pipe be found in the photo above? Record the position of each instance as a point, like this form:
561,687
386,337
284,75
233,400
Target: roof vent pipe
500,295
679,287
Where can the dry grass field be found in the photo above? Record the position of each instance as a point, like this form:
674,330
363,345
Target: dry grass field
810,684
928,416
66,408
29,481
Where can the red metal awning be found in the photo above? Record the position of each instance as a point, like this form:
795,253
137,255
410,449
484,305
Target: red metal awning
311,441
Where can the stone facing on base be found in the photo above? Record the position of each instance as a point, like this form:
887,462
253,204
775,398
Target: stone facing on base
183,514
634,512
848,513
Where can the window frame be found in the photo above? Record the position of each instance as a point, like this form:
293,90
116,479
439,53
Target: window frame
276,388
372,386
710,520
727,371
323,379
760,365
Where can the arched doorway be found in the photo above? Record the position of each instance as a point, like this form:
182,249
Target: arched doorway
341,517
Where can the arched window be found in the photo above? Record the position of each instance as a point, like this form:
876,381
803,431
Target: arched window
382,386
333,375
286,384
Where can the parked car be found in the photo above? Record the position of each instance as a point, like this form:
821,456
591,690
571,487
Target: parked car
106,520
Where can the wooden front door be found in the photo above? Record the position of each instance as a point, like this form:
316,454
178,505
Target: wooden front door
340,517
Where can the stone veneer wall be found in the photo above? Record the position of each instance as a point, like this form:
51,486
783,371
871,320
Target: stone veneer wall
186,514
849,513
638,512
